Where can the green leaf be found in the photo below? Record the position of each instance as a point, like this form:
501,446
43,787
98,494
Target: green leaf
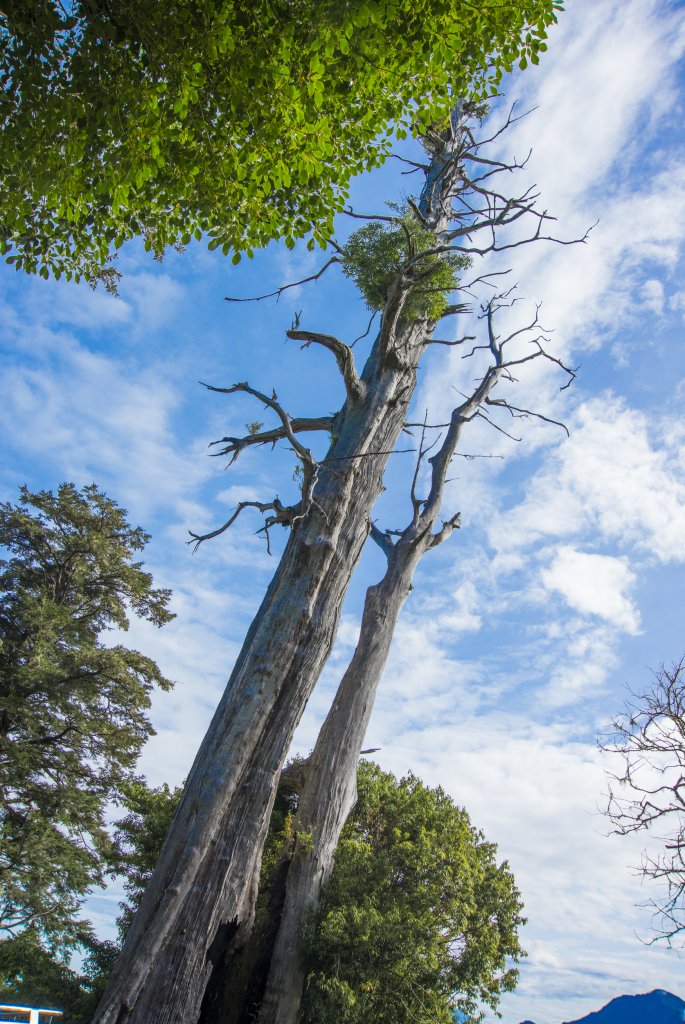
198,149
70,576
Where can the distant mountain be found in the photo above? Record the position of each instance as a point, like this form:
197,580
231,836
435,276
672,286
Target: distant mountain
657,1007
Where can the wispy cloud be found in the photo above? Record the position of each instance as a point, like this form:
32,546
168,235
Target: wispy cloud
617,478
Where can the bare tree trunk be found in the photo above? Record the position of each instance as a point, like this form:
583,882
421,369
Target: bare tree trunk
329,791
200,902
199,908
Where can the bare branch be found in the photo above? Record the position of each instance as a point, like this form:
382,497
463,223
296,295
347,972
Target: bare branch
500,131
497,427
366,332
517,412
515,165
410,163
366,455
271,403
349,212
383,540
457,341
417,212
454,310
543,354
483,279
536,237
282,515
284,287
447,529
649,791
235,445
423,451
343,357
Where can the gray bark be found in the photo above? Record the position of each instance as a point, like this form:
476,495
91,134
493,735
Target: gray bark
200,902
329,791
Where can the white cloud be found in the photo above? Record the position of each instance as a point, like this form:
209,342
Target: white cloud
652,292
41,303
606,64
100,418
599,100
155,296
464,615
677,302
619,476
595,585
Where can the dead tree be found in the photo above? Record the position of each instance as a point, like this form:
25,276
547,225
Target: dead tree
198,910
648,794
328,790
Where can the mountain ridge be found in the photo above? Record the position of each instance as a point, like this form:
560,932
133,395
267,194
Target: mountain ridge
656,1007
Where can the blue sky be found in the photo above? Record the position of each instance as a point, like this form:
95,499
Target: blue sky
566,581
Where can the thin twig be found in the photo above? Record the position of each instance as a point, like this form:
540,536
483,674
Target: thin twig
284,287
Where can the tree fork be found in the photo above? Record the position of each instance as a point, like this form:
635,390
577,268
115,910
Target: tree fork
271,968
328,792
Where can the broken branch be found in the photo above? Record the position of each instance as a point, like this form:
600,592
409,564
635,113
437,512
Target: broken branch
343,357
235,445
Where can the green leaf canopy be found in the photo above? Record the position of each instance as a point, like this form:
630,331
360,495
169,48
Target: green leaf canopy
418,919
72,709
245,121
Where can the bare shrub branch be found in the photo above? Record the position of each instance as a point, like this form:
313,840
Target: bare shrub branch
648,791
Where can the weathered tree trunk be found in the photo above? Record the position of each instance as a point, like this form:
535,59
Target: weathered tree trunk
200,902
199,908
329,791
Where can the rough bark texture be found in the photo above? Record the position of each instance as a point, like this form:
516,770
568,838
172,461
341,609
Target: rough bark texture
200,902
329,790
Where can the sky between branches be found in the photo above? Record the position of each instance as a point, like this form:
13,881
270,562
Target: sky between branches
566,581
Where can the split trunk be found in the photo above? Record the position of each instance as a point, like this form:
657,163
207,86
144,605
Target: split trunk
199,905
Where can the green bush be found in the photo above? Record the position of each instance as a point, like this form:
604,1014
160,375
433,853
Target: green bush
418,919
377,254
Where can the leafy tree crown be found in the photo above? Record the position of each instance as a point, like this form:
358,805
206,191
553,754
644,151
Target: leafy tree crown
244,121
377,253
418,919
72,708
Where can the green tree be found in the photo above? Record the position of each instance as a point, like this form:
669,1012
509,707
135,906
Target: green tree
139,837
33,975
72,709
418,919
376,253
245,121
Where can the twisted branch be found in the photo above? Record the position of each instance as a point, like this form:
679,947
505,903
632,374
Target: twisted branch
343,357
283,515
235,445
271,402
284,287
